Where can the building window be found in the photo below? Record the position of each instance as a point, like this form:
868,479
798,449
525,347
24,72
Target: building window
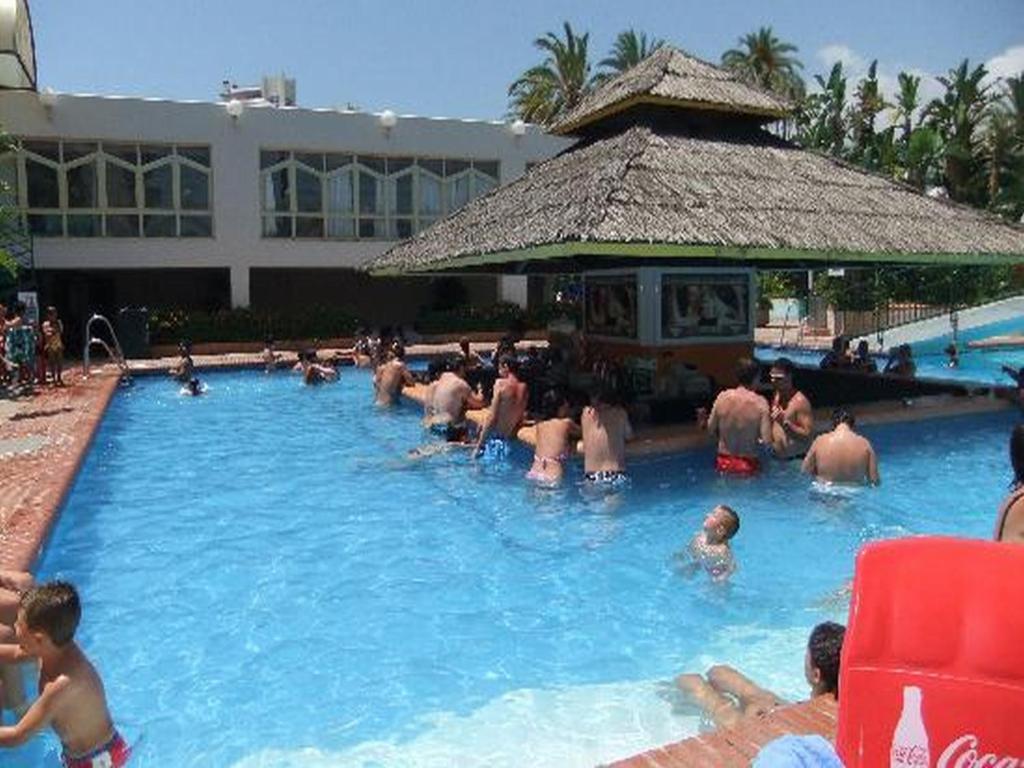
340,196
75,188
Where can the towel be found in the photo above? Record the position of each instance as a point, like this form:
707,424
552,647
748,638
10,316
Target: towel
797,752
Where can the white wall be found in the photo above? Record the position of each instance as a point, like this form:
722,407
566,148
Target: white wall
235,147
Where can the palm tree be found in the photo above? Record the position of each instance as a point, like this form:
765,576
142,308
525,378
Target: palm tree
907,102
549,90
821,117
764,60
1004,150
868,102
957,117
628,50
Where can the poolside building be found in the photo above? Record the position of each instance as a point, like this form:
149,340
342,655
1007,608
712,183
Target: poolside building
246,201
674,193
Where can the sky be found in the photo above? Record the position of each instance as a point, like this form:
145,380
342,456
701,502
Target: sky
456,58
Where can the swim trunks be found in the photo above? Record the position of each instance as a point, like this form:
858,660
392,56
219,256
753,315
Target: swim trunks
496,448
608,477
737,465
113,754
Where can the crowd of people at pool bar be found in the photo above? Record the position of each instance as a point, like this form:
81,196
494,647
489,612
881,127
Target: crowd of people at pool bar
515,389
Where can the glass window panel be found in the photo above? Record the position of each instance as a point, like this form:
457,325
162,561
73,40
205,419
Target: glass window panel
47,149
277,191
199,155
338,161
83,186
483,184
126,152
314,161
436,167
269,158
430,195
9,181
458,192
401,228
487,167
399,164
277,226
195,189
340,193
120,187
152,152
452,167
122,225
196,226
159,226
371,228
46,224
83,225
42,185
400,194
309,227
308,195
341,228
73,150
373,163
371,197
159,187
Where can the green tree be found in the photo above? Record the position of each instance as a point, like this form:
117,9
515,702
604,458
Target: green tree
957,117
764,60
628,50
821,117
867,104
907,102
1003,150
544,93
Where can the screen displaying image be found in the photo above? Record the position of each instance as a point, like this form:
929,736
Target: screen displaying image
611,306
704,305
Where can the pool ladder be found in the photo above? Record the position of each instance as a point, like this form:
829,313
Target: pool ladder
115,354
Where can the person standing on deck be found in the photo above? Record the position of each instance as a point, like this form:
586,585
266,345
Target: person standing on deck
792,418
739,420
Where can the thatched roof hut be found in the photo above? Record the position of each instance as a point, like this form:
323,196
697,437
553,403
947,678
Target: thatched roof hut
674,167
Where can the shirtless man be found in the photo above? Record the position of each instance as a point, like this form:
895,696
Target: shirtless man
842,456
446,404
792,418
729,696
314,372
508,406
739,420
606,430
183,371
390,377
555,435
71,697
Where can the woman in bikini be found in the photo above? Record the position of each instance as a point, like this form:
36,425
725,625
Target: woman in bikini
1010,520
556,434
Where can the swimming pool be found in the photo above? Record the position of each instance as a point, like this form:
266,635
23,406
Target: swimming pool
268,580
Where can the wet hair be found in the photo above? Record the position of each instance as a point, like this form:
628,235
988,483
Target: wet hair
193,386
862,347
606,392
785,365
747,371
552,403
734,520
825,646
54,609
1017,454
398,350
510,362
842,416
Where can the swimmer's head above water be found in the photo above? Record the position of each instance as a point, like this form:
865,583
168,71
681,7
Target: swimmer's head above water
721,524
842,416
821,662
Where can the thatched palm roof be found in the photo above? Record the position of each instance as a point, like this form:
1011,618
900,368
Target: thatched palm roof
669,77
647,196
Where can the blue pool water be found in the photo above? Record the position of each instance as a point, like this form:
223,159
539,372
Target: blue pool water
268,580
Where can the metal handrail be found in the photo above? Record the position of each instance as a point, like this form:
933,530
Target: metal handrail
115,354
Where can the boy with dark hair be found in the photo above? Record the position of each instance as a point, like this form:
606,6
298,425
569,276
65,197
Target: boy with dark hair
842,455
821,663
71,697
741,421
506,412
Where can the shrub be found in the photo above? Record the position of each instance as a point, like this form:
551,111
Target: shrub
167,326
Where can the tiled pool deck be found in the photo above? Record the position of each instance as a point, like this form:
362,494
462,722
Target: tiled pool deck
44,438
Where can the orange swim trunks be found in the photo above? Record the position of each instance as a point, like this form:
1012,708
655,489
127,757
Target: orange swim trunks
737,465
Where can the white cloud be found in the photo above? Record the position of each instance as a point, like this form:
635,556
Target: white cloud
852,61
1008,63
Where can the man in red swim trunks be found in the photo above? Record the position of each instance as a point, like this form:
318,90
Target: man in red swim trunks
740,419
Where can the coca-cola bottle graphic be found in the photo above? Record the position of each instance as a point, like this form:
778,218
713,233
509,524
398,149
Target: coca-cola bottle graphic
910,739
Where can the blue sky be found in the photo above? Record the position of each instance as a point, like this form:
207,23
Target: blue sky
457,58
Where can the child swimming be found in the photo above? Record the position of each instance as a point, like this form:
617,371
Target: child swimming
709,549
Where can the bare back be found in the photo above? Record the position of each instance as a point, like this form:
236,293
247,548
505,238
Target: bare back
842,456
79,712
448,400
553,447
509,406
740,420
606,429
390,379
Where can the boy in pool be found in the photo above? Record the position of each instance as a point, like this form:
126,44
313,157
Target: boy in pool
710,548
269,356
71,697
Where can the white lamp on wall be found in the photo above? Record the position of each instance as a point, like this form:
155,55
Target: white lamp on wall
234,108
517,128
48,99
388,120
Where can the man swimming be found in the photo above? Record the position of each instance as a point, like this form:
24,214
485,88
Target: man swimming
792,418
606,430
390,377
508,406
447,401
740,419
842,456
